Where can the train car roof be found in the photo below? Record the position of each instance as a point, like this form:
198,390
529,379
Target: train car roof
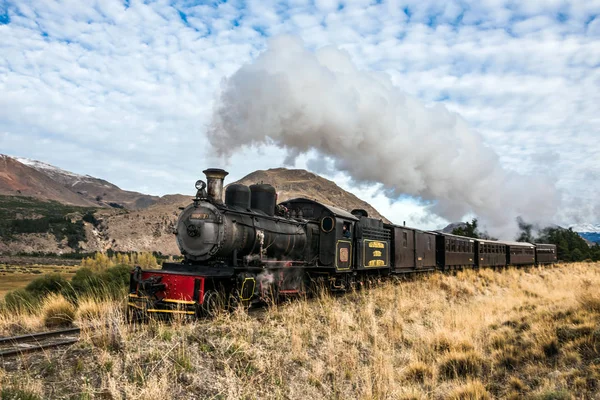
338,212
522,244
544,244
455,236
491,241
408,227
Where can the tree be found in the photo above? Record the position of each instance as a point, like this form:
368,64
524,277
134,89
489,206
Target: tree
570,246
469,230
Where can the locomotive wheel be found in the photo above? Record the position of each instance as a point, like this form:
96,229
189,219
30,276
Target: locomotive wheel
212,303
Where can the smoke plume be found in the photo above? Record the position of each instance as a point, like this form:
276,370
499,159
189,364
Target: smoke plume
302,100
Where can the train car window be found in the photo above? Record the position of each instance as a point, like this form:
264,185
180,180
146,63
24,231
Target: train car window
428,242
327,224
454,245
405,239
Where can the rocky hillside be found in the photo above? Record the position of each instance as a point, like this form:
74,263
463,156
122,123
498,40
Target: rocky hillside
292,183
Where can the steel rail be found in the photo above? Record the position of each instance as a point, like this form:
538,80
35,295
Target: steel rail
40,335
37,339
17,351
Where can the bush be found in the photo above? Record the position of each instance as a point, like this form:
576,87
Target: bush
20,300
108,283
57,311
51,283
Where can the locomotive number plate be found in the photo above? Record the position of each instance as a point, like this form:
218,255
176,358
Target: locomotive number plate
199,216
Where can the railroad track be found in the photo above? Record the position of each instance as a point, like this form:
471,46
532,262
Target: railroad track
31,342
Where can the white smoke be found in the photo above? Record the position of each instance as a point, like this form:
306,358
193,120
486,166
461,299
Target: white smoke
302,100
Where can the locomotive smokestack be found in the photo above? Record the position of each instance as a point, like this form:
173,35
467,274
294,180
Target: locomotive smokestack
214,184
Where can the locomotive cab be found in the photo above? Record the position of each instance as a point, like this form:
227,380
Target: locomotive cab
331,233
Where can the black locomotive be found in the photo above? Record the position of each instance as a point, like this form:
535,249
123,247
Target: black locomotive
251,249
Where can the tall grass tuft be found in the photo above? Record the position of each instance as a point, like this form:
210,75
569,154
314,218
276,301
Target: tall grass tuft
472,390
57,311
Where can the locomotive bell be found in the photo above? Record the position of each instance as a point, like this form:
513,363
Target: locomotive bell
214,184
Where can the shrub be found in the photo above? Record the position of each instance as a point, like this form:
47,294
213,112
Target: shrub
104,284
20,300
57,311
51,283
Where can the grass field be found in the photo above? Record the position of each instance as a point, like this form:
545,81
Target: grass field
14,277
528,333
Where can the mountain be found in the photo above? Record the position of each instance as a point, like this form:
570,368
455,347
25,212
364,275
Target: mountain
18,179
454,225
92,190
589,232
293,183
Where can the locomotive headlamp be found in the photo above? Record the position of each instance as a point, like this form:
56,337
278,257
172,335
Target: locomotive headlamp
201,192
200,184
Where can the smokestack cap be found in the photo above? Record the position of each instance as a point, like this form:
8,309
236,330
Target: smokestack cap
215,173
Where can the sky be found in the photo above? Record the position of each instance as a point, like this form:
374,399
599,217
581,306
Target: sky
126,90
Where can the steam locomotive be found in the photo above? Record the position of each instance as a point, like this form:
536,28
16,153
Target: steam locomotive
250,249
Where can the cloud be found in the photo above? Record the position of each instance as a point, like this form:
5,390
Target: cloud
303,101
125,90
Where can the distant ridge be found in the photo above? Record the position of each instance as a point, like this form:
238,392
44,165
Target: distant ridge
292,183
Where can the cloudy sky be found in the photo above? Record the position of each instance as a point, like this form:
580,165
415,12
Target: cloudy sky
125,90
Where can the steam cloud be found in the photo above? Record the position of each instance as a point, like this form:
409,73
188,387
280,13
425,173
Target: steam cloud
302,100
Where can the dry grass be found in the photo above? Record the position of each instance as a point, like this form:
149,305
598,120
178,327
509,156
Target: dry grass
476,335
57,311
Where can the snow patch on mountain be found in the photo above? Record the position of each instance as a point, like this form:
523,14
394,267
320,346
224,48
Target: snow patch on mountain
585,228
67,178
47,167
